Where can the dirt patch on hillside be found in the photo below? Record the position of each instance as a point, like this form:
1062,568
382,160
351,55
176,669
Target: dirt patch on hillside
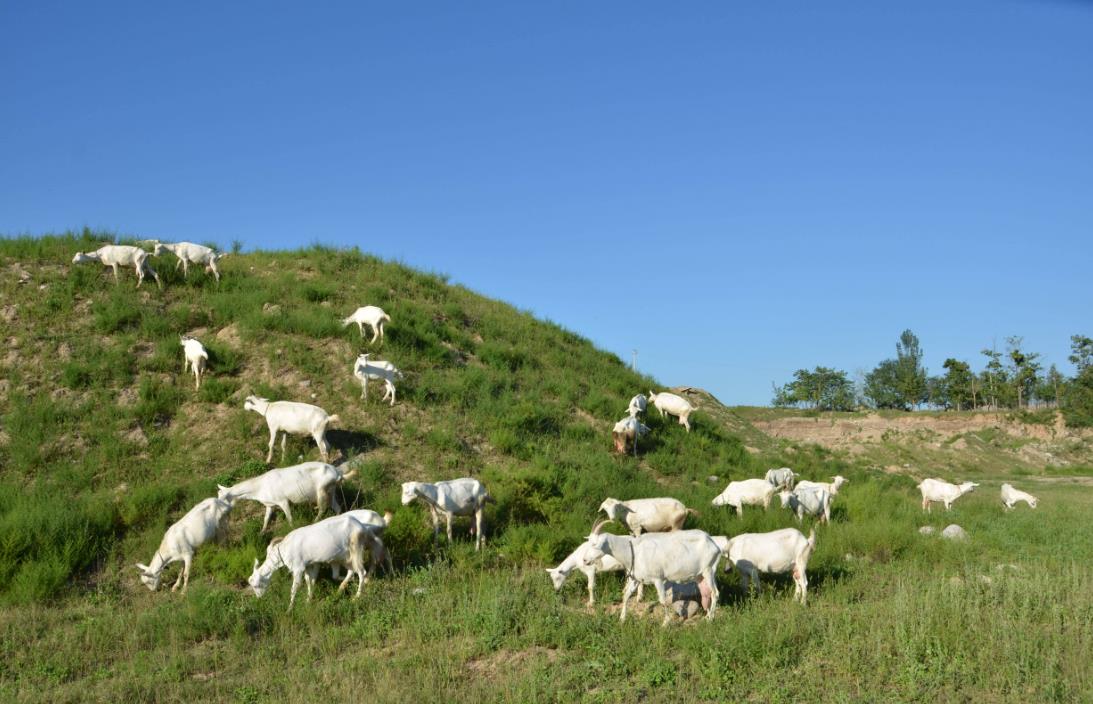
506,660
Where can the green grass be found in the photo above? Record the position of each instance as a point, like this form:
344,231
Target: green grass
105,443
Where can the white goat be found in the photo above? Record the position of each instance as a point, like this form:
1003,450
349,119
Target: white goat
372,316
626,432
638,404
651,515
194,357
831,487
942,491
292,417
202,523
1011,496
781,478
338,540
575,561
658,558
776,552
457,497
365,369
671,404
115,255
280,488
189,253
751,492
814,502
378,525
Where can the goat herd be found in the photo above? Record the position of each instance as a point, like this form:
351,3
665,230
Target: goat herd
680,563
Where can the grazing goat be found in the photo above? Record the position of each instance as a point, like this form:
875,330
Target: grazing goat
942,491
751,492
378,525
781,478
115,255
626,432
291,417
1011,496
831,487
189,253
280,488
650,515
671,404
194,357
338,540
638,404
201,524
814,502
457,497
372,316
377,369
575,561
776,552
658,558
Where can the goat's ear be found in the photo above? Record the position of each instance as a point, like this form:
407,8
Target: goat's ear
256,563
142,568
221,487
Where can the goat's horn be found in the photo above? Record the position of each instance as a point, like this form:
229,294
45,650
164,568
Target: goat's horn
596,528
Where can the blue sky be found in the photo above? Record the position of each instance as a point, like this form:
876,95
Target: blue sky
736,191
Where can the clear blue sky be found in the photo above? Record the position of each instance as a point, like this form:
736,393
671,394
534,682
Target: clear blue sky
734,189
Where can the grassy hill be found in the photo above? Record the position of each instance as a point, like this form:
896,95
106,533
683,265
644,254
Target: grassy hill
104,443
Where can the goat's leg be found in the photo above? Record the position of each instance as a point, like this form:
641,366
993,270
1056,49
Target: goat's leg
310,575
448,517
627,591
333,498
479,538
269,515
215,269
321,500
284,438
591,575
272,440
320,441
436,525
710,577
178,582
287,508
375,334
665,601
186,562
178,263
297,577
116,279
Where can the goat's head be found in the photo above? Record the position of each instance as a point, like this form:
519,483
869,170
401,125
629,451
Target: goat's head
224,493
785,497
722,498
557,577
838,480
149,577
81,257
254,403
598,545
157,248
613,508
259,582
409,492
967,486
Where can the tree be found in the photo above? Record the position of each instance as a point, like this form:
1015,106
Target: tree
1024,369
1051,387
1081,349
882,386
910,374
994,376
1078,405
958,383
822,388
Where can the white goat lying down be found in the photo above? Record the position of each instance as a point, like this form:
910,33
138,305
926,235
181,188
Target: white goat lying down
365,369
942,491
202,523
751,492
338,540
650,515
457,497
781,478
194,357
831,487
115,255
638,404
1011,496
671,404
658,558
776,552
626,432
189,253
292,417
372,316
298,484
814,502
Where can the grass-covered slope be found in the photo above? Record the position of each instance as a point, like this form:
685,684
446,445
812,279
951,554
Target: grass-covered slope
104,443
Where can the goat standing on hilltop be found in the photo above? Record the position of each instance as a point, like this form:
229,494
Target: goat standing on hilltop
671,404
190,253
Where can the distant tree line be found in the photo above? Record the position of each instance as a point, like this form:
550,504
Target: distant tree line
1014,379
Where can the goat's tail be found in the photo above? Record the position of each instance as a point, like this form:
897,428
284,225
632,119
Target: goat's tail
801,561
356,549
331,419
489,499
386,318
692,512
342,476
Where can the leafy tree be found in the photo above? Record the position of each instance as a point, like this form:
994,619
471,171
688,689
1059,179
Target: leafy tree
1024,370
959,384
1051,387
1078,406
882,386
822,388
994,376
911,374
